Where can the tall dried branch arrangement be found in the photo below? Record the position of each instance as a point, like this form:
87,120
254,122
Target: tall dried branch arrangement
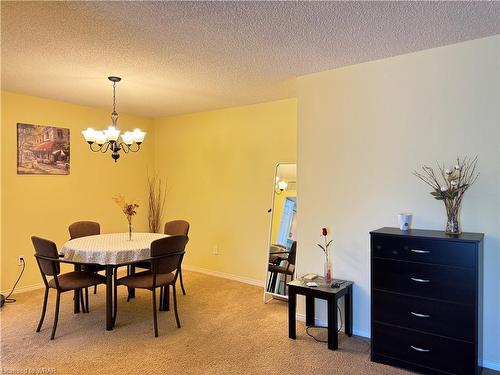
156,199
449,185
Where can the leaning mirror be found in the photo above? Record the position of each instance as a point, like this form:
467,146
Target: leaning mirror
280,262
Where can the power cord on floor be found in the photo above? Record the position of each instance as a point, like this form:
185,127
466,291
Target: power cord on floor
7,298
324,341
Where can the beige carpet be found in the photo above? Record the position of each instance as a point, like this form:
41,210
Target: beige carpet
226,329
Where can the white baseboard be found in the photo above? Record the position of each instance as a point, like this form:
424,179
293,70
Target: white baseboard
24,289
324,323
241,279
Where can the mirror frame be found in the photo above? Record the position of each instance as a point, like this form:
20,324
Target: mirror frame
269,296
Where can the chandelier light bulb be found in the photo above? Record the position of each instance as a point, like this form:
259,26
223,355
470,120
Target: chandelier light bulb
128,138
89,135
100,137
138,136
282,185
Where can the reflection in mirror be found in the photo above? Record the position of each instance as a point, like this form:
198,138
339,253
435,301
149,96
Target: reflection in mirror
282,244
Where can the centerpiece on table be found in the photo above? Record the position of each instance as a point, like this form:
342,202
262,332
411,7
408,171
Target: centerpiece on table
129,211
449,186
326,250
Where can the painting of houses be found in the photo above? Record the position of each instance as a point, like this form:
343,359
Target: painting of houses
42,149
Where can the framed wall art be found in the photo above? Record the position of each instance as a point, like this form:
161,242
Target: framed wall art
42,150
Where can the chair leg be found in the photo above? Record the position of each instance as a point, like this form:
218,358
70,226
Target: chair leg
44,308
56,315
161,299
182,284
166,298
95,289
87,300
155,321
175,308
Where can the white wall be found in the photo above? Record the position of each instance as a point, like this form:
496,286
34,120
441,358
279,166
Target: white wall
363,129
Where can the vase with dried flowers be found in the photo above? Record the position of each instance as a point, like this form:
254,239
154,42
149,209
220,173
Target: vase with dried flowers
326,250
129,211
451,187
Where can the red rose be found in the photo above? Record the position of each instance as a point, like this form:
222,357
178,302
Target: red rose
324,231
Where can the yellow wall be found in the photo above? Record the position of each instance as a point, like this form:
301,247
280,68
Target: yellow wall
220,169
279,202
371,125
46,205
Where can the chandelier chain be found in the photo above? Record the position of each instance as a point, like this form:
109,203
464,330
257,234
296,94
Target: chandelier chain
114,97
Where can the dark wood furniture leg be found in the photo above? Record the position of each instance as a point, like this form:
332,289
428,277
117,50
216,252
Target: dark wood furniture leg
155,320
309,311
76,295
115,295
131,291
166,298
56,315
44,309
292,302
182,284
348,312
333,342
109,297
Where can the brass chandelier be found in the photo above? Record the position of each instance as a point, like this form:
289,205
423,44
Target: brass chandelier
108,140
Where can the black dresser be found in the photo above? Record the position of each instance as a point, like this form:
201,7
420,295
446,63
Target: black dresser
426,300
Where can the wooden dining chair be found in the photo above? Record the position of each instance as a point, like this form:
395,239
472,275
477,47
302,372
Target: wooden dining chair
178,228
83,229
287,270
49,264
165,264
172,228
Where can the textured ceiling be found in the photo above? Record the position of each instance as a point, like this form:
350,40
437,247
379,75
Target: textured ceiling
181,57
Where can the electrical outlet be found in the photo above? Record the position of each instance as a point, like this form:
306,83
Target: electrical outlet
215,250
20,260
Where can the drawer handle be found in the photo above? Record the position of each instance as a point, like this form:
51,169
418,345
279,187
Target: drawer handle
420,315
416,348
420,280
420,251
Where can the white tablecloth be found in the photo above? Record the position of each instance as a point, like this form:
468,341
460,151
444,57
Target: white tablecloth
113,248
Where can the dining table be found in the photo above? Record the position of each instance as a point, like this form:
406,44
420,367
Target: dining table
111,250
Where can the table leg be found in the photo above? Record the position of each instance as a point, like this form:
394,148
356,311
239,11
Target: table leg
131,291
109,297
292,303
309,311
348,311
76,295
333,343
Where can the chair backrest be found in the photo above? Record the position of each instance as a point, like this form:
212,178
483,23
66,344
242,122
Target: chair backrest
165,246
293,254
83,229
46,248
177,228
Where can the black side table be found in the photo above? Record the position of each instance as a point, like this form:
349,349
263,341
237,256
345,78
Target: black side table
326,292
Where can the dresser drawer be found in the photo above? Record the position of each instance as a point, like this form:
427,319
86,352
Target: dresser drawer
447,355
424,280
451,253
441,318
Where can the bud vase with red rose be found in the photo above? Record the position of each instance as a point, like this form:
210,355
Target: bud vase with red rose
328,274
328,270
